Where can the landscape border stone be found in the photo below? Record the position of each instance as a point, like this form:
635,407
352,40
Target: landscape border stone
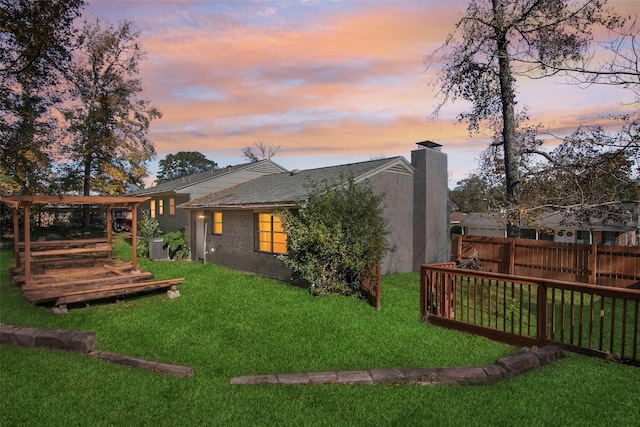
510,366
83,342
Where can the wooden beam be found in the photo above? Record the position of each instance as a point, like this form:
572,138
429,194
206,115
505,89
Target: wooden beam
27,243
16,238
74,284
119,291
70,251
109,230
134,236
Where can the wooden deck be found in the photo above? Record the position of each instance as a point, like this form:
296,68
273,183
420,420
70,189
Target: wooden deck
58,283
73,271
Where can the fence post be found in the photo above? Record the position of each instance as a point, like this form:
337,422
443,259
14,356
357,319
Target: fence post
593,264
512,256
459,248
541,309
423,292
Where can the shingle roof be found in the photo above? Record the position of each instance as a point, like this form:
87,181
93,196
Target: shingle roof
286,189
177,184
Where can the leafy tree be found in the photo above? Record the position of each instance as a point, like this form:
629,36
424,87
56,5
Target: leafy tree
336,236
183,163
109,121
473,194
496,42
260,151
36,39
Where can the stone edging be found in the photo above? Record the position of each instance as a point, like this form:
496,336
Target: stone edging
83,342
506,367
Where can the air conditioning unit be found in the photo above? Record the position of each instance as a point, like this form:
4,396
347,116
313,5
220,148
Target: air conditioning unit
156,251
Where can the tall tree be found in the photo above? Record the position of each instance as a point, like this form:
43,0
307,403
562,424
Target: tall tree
498,41
36,39
183,163
109,120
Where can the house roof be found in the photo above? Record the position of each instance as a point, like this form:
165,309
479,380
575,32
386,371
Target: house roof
559,220
287,189
554,220
180,184
482,220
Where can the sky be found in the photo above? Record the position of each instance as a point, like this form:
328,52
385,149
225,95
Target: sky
329,82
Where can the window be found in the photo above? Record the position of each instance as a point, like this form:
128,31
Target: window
270,235
172,205
160,206
610,237
528,233
546,235
152,209
216,221
583,236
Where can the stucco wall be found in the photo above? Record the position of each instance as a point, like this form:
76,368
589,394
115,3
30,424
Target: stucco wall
398,211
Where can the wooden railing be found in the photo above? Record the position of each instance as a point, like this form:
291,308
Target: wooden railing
594,320
605,265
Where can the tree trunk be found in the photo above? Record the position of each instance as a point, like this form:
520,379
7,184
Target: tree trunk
507,96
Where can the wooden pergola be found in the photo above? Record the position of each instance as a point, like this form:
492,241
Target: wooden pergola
26,203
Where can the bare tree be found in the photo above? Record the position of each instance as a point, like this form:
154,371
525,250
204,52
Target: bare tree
260,150
498,41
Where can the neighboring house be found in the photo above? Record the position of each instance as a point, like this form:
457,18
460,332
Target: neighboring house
558,227
166,197
236,227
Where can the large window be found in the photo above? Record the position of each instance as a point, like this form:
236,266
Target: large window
161,206
270,237
216,223
172,205
152,209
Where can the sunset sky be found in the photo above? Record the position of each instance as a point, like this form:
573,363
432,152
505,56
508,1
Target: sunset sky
329,81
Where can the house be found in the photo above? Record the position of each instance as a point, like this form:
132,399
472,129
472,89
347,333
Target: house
235,227
558,227
165,197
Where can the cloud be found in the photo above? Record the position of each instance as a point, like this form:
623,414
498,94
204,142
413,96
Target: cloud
329,80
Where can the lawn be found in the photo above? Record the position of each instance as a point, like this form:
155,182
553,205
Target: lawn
232,324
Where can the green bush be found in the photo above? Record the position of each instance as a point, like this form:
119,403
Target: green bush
335,238
177,245
148,229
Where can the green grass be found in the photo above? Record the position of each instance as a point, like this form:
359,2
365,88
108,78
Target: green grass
231,324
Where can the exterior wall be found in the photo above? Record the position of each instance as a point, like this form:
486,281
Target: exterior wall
487,232
431,240
398,211
169,223
235,247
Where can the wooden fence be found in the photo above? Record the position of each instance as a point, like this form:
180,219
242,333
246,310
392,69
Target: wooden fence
605,265
594,320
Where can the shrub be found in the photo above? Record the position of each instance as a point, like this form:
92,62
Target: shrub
148,229
336,236
177,245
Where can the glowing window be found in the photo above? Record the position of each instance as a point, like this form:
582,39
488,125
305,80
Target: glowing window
160,206
153,208
270,235
216,221
172,205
